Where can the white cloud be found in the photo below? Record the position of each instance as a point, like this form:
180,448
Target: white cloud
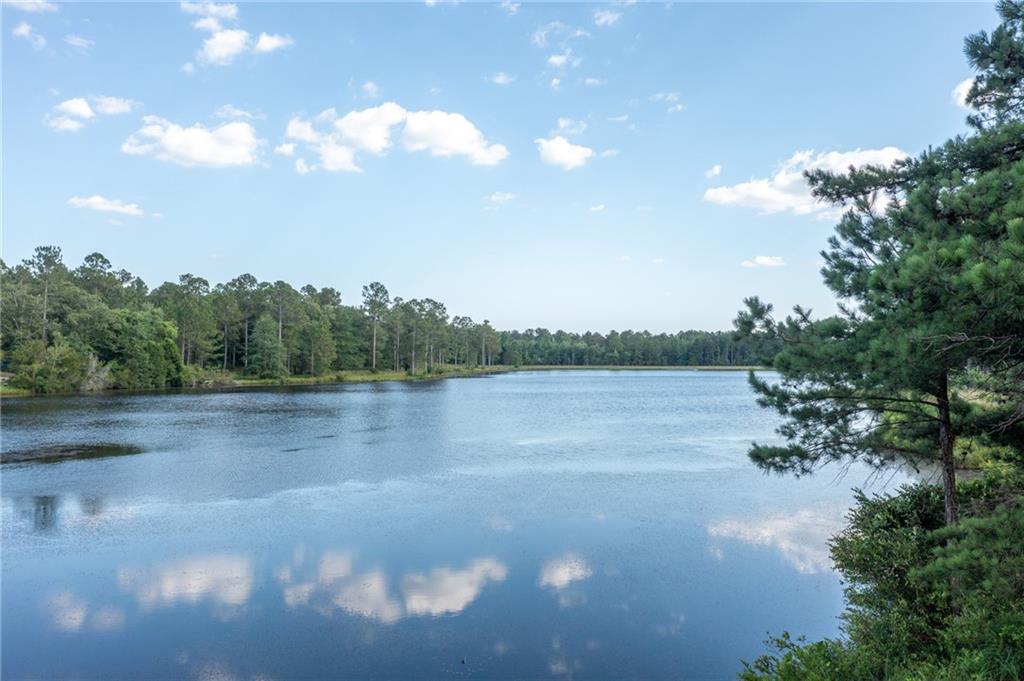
665,97
211,24
556,83
219,10
510,7
25,30
713,171
269,43
439,132
450,134
594,82
285,149
561,572
959,93
500,198
567,58
78,41
501,78
64,123
301,167
113,106
222,47
370,129
619,119
599,208
556,29
607,17
675,108
559,151
72,114
787,190
99,203
77,107
31,5
764,261
231,144
229,111
370,89
569,126
610,153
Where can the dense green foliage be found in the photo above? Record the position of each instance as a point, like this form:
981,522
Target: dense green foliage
926,601
92,328
924,362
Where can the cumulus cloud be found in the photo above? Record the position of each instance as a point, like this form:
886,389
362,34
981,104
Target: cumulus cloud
787,189
558,151
72,114
594,82
599,208
606,17
501,78
78,41
675,108
224,579
25,31
269,43
113,106
556,83
510,7
450,134
764,261
959,93
438,132
801,538
713,171
224,45
31,5
231,144
287,149
105,205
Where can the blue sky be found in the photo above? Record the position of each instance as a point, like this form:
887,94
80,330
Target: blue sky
576,166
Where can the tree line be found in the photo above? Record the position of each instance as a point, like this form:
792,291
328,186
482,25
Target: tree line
95,327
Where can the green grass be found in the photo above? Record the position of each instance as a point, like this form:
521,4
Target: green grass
10,391
618,367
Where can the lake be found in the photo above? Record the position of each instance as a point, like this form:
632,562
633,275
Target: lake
577,524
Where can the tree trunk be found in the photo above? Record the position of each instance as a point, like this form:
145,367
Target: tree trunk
245,360
225,347
373,350
946,442
46,300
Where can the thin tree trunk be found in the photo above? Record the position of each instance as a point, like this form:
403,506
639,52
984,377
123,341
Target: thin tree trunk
946,443
245,361
373,350
46,300
225,347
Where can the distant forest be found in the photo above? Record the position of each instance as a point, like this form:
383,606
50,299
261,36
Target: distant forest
94,327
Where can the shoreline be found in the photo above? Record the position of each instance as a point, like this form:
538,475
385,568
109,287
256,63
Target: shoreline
365,376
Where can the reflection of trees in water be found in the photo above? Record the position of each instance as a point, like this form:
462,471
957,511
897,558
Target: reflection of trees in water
92,506
44,512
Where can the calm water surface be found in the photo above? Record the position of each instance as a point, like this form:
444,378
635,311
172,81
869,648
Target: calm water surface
530,525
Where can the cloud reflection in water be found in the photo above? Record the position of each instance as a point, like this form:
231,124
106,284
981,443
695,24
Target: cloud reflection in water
801,537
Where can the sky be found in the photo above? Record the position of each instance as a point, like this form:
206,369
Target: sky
569,166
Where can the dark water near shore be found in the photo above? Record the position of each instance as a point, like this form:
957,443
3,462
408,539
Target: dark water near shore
528,525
